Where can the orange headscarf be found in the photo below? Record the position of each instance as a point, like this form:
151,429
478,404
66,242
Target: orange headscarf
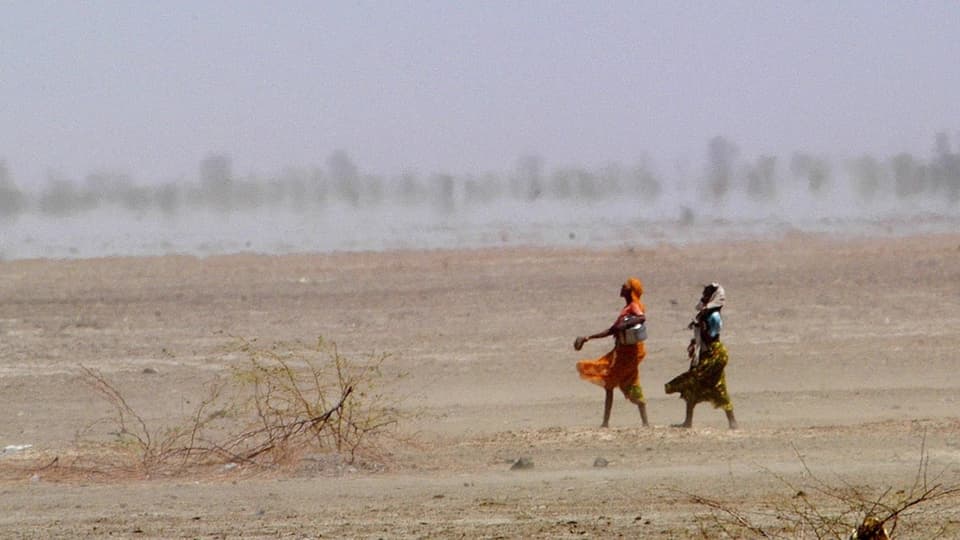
636,291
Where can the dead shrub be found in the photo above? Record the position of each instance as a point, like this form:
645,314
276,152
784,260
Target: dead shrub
310,400
276,405
842,511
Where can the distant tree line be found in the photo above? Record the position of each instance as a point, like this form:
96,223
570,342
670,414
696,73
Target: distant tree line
761,178
903,175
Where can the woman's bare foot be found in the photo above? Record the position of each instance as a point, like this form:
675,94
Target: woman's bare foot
688,420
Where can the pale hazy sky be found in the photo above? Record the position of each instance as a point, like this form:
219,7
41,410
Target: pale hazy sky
150,88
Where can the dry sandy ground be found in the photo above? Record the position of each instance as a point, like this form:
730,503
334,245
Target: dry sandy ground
844,370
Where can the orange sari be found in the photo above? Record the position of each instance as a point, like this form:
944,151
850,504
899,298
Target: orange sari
619,368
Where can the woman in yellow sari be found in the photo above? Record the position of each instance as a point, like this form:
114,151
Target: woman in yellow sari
619,368
705,380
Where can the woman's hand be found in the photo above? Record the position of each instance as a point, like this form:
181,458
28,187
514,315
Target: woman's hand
578,343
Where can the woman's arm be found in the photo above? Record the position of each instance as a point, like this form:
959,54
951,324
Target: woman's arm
578,343
632,310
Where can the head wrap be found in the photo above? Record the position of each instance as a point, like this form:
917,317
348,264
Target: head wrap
716,299
635,287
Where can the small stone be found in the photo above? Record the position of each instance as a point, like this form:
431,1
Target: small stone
150,371
522,464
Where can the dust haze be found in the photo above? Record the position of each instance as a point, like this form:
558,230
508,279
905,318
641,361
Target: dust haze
222,127
329,167
338,206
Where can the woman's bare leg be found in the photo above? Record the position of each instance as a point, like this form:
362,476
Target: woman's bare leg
643,414
731,419
688,421
607,405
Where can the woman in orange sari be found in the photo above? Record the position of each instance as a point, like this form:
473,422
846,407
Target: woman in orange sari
619,368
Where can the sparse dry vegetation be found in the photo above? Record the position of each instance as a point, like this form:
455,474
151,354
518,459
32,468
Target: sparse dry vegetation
278,404
842,510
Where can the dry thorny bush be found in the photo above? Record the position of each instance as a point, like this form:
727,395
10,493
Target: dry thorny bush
279,404
844,511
